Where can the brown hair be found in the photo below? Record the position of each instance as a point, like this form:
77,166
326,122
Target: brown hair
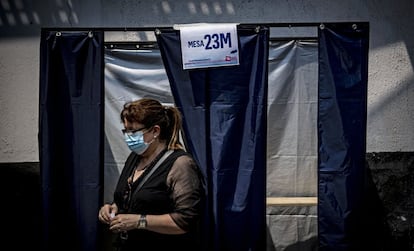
150,112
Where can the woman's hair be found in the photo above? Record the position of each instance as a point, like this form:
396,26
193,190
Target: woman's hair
150,112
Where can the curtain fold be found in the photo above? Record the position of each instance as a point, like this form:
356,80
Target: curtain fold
225,126
71,137
342,111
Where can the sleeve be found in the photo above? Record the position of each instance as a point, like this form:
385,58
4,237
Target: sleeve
185,182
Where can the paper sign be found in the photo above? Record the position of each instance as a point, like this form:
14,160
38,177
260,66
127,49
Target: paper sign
209,45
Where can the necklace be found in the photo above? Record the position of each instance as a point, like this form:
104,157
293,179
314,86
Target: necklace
148,166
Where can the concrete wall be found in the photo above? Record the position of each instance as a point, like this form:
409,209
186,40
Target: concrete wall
390,90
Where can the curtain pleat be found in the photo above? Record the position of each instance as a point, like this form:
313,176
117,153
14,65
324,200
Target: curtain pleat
342,112
225,126
71,137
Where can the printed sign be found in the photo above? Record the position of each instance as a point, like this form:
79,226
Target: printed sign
209,45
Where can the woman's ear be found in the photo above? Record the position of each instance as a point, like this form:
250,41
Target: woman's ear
156,130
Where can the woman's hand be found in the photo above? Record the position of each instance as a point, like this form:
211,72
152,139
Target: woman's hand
124,222
107,213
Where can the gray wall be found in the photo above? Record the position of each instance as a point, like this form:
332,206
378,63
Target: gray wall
390,84
390,90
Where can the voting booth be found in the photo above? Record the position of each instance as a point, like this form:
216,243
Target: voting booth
265,118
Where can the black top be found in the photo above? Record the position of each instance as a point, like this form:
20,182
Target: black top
174,188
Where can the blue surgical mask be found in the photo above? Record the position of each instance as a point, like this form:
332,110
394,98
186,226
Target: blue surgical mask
136,142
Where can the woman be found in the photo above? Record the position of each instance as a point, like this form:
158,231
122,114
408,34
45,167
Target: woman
157,202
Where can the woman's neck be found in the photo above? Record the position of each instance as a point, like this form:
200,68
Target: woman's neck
151,154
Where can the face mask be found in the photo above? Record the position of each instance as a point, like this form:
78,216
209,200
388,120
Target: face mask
136,142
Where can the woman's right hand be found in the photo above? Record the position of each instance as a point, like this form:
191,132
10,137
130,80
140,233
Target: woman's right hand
107,212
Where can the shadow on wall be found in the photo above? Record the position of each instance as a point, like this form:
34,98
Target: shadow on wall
387,221
21,205
393,178
26,18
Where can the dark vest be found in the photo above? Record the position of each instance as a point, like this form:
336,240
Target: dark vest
154,197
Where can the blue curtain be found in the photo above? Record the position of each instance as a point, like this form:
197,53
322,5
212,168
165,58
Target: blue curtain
342,111
71,138
224,113
225,126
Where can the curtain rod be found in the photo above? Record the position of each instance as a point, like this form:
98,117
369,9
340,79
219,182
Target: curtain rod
271,25
150,44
